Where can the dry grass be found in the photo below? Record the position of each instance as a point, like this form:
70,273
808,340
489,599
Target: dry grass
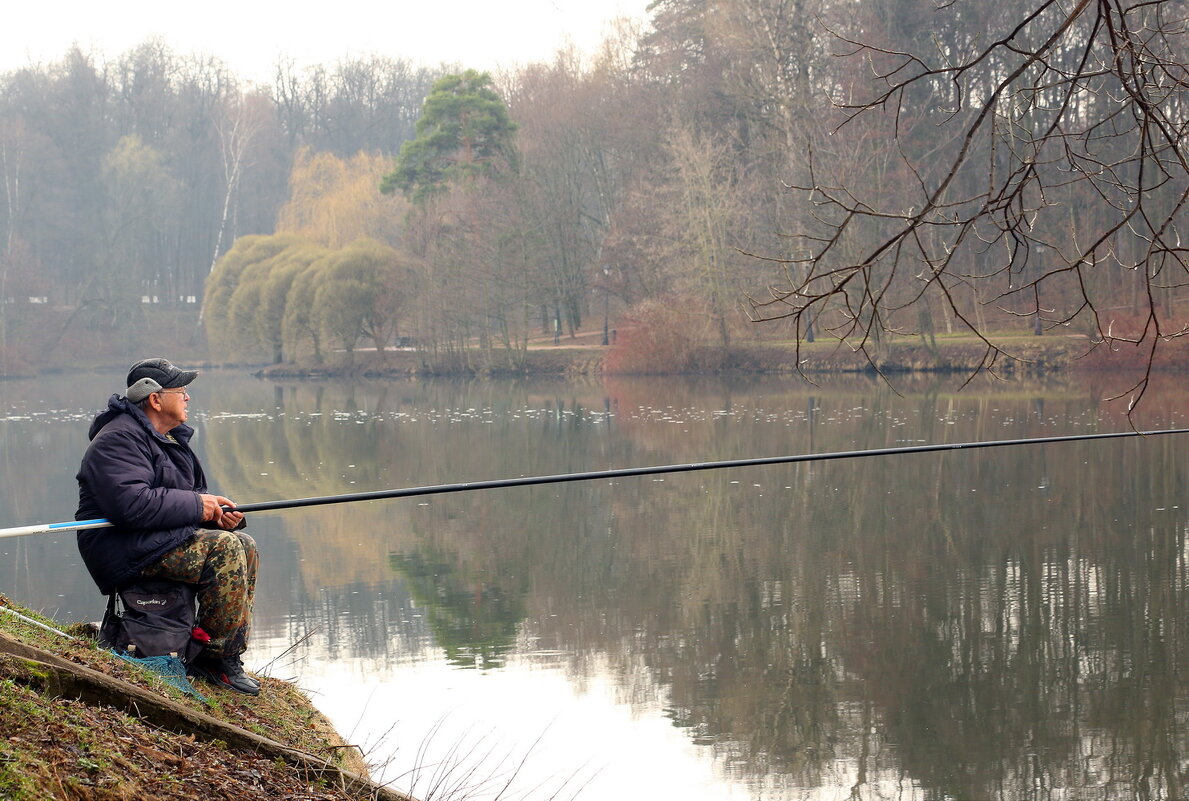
57,748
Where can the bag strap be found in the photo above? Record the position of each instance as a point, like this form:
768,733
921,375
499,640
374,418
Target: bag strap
115,605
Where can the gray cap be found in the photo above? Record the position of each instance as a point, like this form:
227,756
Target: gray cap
153,375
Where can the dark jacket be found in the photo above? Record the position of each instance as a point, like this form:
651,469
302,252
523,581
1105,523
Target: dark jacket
144,482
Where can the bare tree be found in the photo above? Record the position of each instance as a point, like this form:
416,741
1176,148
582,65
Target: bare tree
237,129
1043,177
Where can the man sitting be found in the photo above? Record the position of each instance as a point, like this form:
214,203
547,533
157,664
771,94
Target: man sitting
140,473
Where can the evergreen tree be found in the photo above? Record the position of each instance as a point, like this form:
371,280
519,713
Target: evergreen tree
464,132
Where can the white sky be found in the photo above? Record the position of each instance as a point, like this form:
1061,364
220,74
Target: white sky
250,35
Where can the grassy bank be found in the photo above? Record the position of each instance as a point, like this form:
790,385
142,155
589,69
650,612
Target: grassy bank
80,723
64,342
585,355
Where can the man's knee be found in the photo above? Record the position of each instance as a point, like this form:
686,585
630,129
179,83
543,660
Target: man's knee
226,542
225,556
248,544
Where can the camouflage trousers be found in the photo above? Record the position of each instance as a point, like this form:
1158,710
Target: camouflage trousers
222,565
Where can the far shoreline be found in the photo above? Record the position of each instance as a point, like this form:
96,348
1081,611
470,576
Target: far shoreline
1029,356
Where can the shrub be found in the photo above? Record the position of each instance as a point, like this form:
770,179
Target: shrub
1131,346
658,337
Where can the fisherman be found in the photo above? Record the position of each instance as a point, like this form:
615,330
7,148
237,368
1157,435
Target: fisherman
141,475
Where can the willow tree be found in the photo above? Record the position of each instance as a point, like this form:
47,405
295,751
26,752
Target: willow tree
257,306
300,322
233,293
333,201
362,293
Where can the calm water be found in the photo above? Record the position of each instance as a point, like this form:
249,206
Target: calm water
1007,623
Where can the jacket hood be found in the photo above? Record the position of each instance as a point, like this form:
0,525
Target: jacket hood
118,405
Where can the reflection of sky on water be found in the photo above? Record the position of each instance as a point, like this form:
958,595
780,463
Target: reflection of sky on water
369,661
570,738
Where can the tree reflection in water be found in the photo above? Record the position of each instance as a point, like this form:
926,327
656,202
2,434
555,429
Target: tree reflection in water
1005,624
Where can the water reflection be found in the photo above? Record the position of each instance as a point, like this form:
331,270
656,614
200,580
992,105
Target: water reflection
1008,623
474,622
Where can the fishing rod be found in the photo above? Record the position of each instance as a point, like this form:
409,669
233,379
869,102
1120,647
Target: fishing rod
525,481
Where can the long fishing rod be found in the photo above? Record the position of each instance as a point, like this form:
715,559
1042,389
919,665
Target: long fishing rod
524,481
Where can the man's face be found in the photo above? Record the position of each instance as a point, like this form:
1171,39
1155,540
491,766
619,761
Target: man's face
175,404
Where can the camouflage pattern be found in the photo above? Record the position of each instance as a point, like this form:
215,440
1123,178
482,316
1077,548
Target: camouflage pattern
222,564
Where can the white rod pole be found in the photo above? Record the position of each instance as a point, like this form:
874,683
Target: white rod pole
50,528
37,623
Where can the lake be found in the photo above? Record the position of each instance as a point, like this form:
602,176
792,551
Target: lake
1007,623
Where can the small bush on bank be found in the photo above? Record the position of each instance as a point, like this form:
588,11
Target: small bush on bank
1130,348
656,338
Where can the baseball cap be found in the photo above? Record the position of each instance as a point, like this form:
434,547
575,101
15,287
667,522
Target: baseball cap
151,375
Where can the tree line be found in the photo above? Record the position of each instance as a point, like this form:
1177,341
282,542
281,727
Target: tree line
861,172
125,180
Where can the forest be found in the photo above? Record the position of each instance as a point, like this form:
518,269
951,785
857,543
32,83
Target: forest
735,170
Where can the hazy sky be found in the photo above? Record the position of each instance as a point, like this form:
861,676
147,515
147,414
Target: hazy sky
250,35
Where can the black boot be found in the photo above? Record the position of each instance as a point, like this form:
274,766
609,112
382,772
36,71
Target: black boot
225,672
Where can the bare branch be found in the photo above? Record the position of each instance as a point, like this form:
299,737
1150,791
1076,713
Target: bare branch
1039,175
